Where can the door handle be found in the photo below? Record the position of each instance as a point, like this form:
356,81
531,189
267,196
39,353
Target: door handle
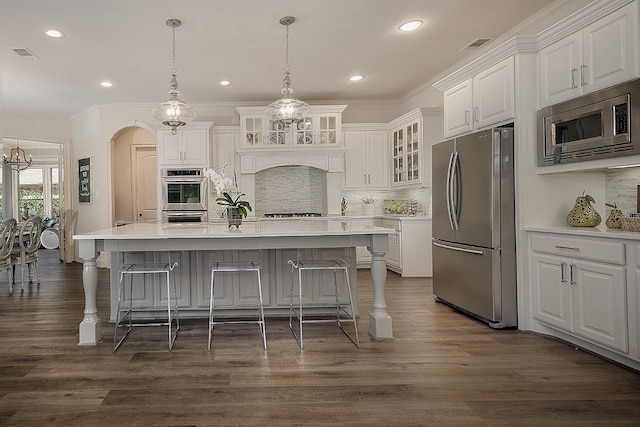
448,191
467,113
573,78
476,114
455,206
562,278
572,279
455,248
582,68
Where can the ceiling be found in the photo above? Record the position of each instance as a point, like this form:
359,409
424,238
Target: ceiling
128,43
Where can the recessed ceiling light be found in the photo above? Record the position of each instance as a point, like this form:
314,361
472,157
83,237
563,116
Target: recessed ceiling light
411,25
225,83
356,78
54,33
106,83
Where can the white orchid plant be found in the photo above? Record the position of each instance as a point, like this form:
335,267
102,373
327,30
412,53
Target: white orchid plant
222,182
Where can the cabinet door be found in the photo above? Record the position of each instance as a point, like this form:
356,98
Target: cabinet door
610,49
398,157
551,291
493,94
458,102
356,168
600,304
195,147
377,160
413,152
169,151
559,70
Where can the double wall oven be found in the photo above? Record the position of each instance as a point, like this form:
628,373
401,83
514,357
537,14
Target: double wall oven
184,195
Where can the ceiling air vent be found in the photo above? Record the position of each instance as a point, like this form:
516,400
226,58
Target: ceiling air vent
476,44
26,53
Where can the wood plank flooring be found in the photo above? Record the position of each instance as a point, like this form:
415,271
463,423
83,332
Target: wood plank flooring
442,368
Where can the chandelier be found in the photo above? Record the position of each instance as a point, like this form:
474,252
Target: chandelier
174,112
287,110
17,158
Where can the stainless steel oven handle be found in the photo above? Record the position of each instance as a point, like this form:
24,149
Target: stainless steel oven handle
454,248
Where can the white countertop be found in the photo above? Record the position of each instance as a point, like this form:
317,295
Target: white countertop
611,233
249,228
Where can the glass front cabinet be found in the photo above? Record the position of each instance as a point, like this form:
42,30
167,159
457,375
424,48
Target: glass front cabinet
322,127
406,149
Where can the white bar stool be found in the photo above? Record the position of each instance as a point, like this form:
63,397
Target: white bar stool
236,267
131,269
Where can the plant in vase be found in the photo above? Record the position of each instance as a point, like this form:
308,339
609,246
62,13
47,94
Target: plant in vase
236,208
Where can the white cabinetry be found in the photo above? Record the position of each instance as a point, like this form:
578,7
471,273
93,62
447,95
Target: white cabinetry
579,287
322,127
367,161
363,256
600,55
409,251
188,147
481,101
407,153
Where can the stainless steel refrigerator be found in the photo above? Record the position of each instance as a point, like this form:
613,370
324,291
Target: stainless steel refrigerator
474,260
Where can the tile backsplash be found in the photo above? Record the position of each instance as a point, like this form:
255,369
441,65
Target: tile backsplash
356,206
621,188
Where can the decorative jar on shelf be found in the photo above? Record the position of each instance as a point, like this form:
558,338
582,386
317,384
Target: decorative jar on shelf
583,214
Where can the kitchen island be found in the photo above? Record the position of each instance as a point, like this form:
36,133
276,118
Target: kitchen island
270,239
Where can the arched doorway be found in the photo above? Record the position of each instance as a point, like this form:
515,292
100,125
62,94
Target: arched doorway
134,172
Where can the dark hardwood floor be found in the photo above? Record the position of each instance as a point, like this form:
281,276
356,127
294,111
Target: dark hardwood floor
442,368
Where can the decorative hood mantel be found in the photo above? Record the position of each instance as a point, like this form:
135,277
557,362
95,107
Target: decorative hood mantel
328,159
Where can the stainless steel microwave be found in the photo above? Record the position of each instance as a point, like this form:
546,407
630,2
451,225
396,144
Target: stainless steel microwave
599,125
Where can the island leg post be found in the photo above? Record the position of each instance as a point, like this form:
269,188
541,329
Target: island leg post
90,327
380,325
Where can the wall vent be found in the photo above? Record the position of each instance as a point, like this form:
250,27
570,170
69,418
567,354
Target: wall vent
476,44
26,53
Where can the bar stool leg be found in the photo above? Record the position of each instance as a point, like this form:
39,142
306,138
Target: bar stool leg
263,332
211,309
172,336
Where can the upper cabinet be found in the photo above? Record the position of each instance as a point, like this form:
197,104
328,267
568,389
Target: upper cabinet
600,55
188,147
366,158
481,101
322,127
407,157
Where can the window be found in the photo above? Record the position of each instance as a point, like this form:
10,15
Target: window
31,193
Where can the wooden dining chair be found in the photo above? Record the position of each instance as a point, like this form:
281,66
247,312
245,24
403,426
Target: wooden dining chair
25,253
8,229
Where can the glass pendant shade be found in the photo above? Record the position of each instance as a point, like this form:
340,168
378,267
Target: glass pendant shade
174,112
287,110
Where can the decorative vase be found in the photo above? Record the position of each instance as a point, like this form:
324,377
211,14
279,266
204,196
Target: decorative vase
583,214
234,217
614,220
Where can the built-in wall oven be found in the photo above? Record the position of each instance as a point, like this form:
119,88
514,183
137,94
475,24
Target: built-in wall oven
184,195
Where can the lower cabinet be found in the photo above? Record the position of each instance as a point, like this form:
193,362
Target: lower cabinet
236,294
580,287
409,251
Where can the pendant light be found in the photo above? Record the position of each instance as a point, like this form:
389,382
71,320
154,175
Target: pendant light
17,158
174,112
288,109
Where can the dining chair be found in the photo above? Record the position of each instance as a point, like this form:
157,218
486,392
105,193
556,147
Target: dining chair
25,254
8,230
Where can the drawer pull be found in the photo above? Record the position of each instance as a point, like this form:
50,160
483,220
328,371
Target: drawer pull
567,247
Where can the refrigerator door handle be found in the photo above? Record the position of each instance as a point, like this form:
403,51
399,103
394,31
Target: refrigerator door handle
454,248
448,192
454,200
